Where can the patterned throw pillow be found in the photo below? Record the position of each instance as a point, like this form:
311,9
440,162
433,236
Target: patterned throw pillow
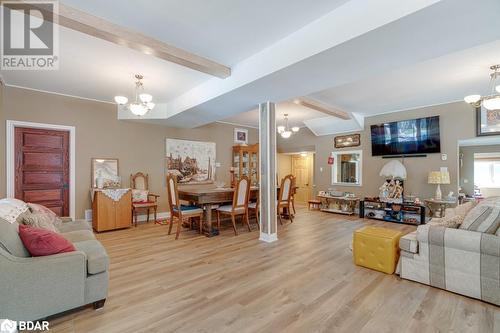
36,208
452,222
140,195
10,209
482,218
39,220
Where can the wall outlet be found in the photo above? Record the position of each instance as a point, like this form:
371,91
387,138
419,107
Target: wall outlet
444,157
321,169
466,181
217,164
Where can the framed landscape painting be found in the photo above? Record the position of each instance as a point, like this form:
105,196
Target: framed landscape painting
487,122
193,162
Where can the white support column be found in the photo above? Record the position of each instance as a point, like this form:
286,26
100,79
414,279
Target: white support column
267,157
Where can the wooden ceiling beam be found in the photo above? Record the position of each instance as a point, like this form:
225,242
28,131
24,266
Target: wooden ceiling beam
326,109
97,27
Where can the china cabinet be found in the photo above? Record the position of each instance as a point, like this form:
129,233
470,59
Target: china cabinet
246,162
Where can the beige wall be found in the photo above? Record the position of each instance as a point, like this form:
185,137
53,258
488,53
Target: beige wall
456,122
139,147
3,185
284,165
467,168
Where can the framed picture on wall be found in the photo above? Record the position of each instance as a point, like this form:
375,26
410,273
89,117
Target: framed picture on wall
487,122
241,136
344,141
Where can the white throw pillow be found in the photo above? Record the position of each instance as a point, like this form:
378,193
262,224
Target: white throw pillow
11,208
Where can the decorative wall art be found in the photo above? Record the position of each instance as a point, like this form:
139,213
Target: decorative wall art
193,162
344,141
105,173
240,136
487,121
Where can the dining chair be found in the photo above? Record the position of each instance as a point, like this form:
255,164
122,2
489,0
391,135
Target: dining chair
178,210
239,205
293,191
141,198
284,198
254,207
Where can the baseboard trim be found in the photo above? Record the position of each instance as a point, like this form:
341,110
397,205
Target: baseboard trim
268,238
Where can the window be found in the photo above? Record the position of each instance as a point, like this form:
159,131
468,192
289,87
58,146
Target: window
487,173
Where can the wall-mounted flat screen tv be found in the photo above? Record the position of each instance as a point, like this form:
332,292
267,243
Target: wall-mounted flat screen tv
407,137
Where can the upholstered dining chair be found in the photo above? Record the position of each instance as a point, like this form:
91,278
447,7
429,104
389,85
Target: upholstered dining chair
254,207
284,198
141,198
293,191
180,211
239,205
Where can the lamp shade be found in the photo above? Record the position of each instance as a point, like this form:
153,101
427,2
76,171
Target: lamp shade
393,169
438,177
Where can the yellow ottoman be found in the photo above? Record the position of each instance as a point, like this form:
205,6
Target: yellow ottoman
376,248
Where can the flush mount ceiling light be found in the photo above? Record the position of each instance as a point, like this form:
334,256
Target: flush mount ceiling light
492,101
142,103
286,131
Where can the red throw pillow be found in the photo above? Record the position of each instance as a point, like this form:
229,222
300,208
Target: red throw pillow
43,242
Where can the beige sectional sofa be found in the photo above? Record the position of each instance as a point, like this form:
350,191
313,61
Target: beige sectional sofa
462,261
33,288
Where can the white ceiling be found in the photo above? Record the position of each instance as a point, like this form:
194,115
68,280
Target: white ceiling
297,114
226,31
358,55
95,69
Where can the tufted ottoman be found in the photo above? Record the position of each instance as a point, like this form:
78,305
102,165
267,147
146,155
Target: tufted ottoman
376,248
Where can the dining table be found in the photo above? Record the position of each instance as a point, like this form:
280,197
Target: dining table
209,198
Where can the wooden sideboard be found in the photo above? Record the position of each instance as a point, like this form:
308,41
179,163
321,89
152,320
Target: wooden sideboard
108,214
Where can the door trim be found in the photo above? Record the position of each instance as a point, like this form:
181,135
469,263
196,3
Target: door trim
10,158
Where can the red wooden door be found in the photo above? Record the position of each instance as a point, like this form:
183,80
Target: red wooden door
42,168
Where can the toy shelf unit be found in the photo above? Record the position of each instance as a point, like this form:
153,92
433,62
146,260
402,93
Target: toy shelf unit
338,204
406,213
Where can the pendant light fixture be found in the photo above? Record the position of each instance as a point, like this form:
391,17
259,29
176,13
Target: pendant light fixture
286,131
143,102
492,101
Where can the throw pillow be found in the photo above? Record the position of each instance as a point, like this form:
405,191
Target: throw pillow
42,242
10,209
452,222
39,220
140,195
482,218
36,208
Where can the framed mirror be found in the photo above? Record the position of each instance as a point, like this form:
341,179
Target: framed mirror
346,168
105,172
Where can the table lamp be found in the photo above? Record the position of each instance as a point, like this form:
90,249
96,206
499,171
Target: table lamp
438,178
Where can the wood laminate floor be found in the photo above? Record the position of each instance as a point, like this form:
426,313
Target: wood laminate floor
304,282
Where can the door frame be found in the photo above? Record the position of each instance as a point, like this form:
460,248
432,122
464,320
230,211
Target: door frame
10,157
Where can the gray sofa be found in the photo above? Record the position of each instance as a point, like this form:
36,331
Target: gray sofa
33,288
462,261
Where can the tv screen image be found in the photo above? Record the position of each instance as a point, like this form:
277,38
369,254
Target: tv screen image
407,137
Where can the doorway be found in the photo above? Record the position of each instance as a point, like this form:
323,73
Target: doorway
41,165
302,169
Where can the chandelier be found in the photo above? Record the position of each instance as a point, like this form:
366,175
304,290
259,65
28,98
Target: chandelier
286,131
142,103
492,101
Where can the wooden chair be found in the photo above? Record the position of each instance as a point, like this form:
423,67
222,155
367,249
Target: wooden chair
178,210
139,181
284,197
254,207
239,206
293,192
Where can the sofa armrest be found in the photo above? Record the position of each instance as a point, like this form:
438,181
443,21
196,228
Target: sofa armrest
460,239
36,287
